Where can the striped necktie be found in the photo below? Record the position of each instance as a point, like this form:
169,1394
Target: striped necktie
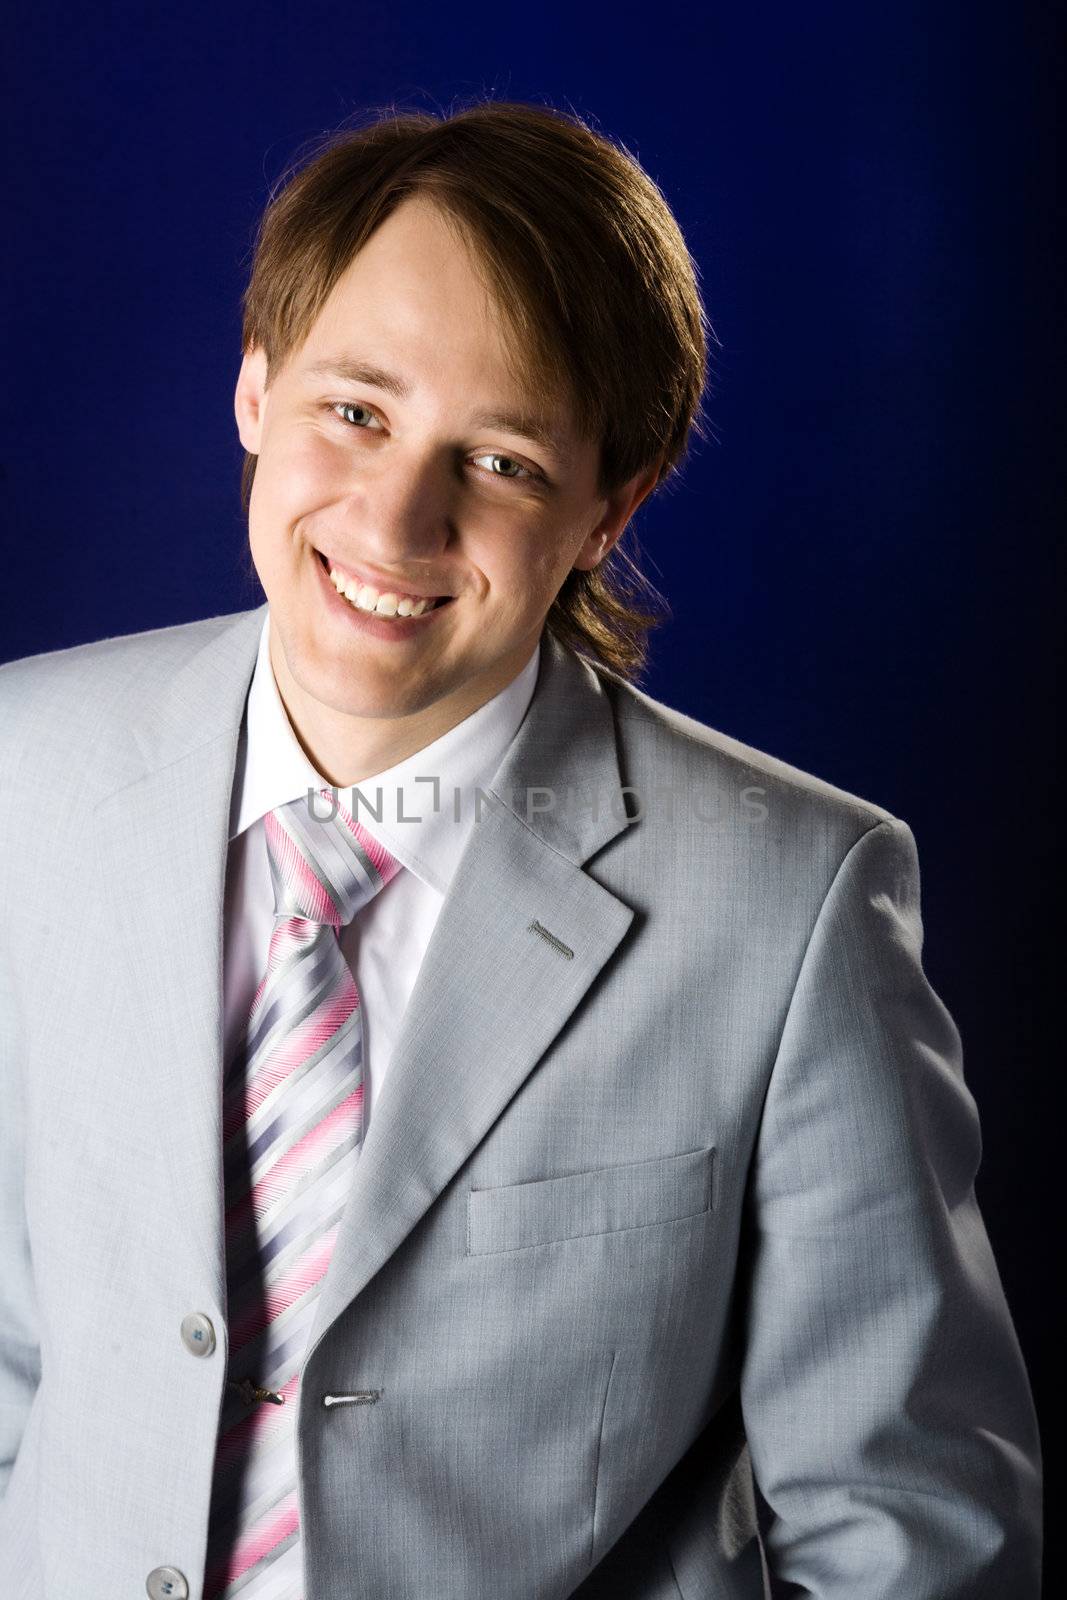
292,1132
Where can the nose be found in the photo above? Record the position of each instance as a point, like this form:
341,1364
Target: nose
400,512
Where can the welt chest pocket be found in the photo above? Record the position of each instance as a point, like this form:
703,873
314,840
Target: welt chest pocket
604,1200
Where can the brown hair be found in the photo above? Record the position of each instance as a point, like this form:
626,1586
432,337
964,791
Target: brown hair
589,268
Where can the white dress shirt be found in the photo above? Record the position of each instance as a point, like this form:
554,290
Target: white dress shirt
383,945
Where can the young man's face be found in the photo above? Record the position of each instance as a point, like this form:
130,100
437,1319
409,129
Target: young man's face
393,447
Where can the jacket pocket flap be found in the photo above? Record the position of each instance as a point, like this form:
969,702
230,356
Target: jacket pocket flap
603,1200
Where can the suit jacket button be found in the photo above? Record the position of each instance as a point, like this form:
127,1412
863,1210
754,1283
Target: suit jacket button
167,1583
198,1336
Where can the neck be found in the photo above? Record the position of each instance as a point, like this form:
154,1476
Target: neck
347,749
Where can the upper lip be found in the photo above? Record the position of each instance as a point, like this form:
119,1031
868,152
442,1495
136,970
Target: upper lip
384,585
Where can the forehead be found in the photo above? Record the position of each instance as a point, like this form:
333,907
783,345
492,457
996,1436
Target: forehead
418,301
417,282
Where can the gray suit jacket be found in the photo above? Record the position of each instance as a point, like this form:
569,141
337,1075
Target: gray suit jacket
669,1194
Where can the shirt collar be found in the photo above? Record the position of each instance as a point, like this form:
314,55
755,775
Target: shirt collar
273,769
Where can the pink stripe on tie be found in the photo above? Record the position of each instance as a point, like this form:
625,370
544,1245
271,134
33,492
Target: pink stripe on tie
308,1150
301,1158
283,1520
290,1053
297,872
385,864
306,1273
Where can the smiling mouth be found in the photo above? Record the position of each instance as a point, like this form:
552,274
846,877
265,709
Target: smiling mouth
380,602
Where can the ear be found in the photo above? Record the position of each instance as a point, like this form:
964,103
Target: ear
250,399
618,508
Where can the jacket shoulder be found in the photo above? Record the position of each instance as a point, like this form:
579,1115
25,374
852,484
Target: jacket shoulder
659,739
60,704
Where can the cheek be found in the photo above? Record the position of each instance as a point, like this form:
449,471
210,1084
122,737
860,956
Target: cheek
549,559
296,478
525,568
512,554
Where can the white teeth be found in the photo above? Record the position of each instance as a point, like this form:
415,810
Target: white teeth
365,598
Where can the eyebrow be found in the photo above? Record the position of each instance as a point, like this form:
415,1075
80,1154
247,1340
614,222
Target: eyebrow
527,427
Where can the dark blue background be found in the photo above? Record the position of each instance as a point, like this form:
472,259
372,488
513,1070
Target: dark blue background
860,562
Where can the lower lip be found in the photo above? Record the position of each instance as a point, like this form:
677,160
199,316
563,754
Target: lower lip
366,622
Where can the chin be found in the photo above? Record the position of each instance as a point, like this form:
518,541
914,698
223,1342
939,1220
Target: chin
362,689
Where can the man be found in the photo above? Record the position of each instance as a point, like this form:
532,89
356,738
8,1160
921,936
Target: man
469,1130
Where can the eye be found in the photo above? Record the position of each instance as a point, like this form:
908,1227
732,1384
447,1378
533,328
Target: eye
343,406
341,410
506,466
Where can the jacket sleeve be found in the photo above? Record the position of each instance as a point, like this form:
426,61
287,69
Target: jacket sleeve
20,1364
889,1417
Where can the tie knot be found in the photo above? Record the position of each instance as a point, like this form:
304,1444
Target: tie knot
324,864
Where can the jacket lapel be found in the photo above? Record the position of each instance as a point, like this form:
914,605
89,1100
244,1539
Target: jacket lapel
522,934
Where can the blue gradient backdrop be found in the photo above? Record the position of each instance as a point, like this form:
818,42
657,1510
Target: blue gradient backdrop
860,561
